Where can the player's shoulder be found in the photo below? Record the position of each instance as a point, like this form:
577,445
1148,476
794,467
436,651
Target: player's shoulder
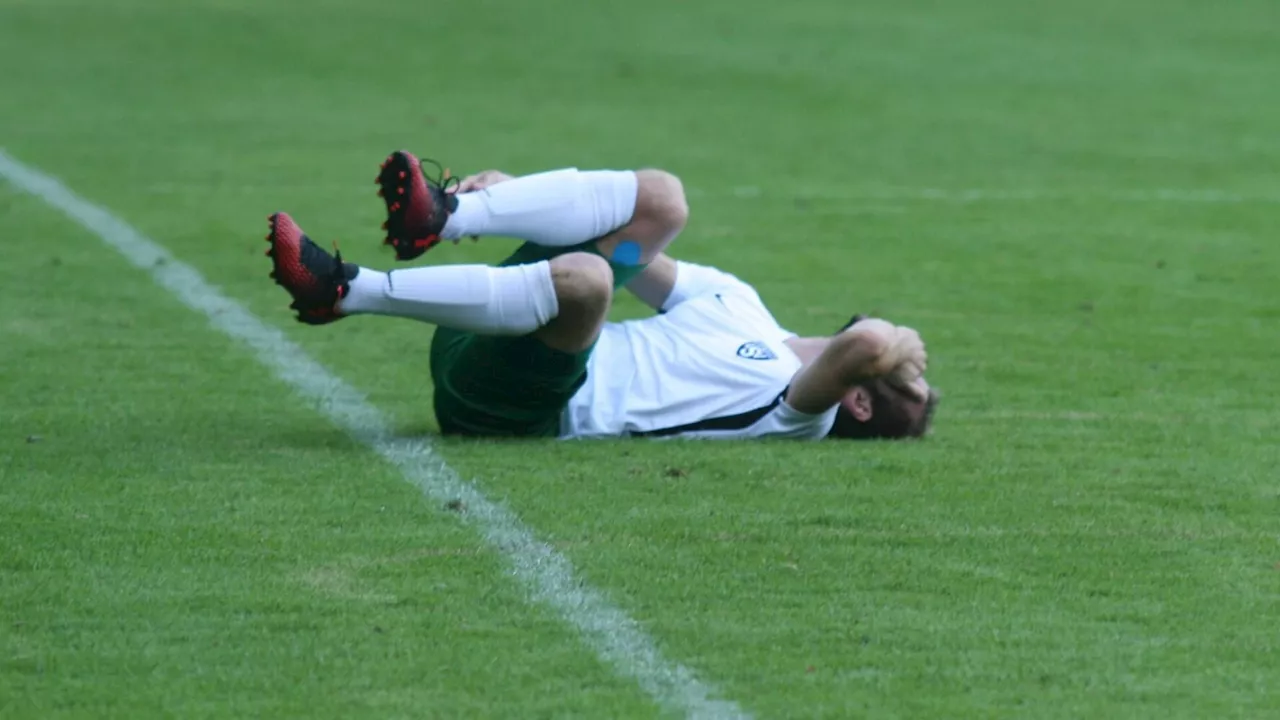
785,421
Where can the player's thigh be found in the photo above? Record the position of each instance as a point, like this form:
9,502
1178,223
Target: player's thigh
531,253
502,386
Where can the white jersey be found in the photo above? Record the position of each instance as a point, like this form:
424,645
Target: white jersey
715,364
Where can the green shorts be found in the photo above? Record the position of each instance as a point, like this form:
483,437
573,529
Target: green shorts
508,386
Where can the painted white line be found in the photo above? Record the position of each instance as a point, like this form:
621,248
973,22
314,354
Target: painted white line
548,576
971,196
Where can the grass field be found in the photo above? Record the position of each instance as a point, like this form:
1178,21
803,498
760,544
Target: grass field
1075,203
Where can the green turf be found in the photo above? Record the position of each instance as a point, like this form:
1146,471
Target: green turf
1074,202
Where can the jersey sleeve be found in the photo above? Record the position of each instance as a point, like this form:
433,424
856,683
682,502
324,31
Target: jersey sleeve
787,422
693,280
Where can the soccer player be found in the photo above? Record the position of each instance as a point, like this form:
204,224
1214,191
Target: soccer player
524,348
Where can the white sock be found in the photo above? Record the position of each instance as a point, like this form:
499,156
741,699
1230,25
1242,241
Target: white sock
488,300
556,208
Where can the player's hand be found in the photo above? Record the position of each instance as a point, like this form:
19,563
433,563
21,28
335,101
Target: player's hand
900,357
908,360
481,180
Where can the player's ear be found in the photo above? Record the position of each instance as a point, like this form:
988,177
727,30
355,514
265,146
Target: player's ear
858,402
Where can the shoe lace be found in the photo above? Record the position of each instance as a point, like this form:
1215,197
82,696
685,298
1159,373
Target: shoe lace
444,179
339,276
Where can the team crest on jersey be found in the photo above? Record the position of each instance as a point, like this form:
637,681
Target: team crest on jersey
755,350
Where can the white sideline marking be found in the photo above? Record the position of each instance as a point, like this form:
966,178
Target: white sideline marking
548,576
981,195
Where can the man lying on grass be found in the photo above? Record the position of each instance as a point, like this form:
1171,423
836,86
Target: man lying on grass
524,349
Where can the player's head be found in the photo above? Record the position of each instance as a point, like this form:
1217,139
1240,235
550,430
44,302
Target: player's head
879,410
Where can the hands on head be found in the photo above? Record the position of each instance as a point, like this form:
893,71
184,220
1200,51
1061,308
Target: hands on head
898,355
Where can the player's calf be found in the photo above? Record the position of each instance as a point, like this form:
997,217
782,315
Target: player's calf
562,301
633,215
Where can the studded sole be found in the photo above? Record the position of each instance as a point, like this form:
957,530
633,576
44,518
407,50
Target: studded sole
289,273
400,184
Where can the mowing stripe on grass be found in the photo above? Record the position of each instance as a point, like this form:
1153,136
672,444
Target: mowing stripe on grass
1174,196
547,575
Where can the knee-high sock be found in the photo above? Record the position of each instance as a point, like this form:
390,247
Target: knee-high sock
556,208
512,300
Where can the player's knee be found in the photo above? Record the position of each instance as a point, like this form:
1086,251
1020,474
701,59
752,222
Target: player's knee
583,282
584,290
660,200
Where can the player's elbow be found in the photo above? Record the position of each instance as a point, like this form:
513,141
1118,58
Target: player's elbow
660,201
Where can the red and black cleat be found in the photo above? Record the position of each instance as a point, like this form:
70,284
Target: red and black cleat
417,208
315,279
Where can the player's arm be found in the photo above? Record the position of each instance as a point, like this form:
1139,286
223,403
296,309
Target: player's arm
665,282
655,283
869,349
